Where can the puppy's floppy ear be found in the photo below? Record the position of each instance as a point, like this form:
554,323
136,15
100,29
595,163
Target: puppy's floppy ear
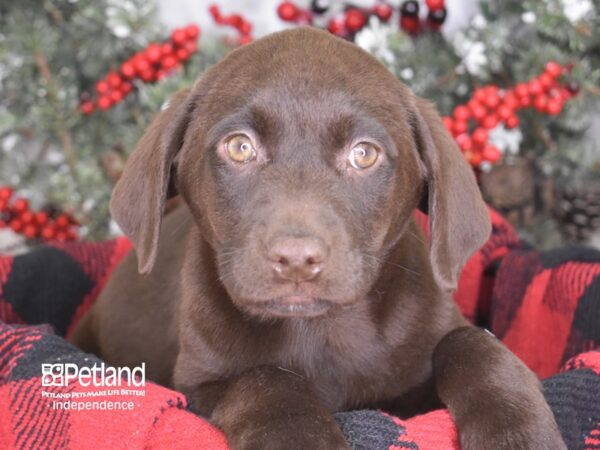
458,217
138,200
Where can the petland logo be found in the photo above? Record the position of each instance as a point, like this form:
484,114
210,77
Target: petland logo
99,375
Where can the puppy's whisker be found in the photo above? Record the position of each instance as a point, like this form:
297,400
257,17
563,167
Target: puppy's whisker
184,222
416,236
383,261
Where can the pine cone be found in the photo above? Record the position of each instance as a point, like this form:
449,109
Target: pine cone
577,209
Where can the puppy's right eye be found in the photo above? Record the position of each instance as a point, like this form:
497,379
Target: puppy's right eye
239,148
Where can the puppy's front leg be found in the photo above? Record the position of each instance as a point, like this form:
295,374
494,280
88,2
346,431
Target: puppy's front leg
495,400
268,408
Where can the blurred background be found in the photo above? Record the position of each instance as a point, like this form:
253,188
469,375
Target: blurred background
518,83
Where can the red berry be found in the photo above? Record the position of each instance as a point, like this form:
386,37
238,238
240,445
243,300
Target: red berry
166,49
148,75
116,96
20,205
245,39
490,121
521,90
128,69
410,24
87,108
41,217
504,112
553,69
491,153
104,103
564,94
16,225
337,26
30,231
460,127
492,101
554,107
477,110
383,11
235,20
5,192
168,62
141,65
27,217
480,136
245,28
214,11
102,87
178,37
510,100
153,53
3,205
62,221
114,80
191,47
512,122
304,18
546,80
48,232
182,54
540,103
355,20
525,101
534,87
126,88
288,11
71,235
491,89
480,95
61,236
555,92
464,142
461,113
434,5
192,31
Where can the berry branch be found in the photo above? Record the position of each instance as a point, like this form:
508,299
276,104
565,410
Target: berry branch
149,65
491,106
44,225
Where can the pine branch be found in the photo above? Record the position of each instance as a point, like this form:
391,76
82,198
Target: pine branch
63,134
543,135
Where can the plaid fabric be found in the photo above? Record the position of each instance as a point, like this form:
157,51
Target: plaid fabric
545,306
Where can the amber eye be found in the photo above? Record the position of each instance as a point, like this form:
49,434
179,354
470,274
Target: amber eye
240,149
363,155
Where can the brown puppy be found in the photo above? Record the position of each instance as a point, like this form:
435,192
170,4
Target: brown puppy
294,283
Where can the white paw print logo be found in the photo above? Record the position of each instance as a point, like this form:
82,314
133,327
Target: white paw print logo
53,374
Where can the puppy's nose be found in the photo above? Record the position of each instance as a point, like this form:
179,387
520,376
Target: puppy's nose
297,258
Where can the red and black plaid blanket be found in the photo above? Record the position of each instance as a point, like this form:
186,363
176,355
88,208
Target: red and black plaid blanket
545,306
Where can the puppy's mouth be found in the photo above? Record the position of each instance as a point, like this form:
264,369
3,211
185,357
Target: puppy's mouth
294,306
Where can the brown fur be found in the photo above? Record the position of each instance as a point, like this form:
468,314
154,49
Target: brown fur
207,315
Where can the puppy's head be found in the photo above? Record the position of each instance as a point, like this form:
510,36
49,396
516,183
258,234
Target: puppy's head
302,159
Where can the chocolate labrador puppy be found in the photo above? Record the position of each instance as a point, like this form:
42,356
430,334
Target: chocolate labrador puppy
293,282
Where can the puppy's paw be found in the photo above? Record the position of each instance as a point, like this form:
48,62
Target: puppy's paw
290,433
494,432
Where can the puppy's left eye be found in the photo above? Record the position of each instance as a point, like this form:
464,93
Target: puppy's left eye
363,155
240,149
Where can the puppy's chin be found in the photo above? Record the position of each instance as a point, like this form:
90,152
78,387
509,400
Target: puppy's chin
290,306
